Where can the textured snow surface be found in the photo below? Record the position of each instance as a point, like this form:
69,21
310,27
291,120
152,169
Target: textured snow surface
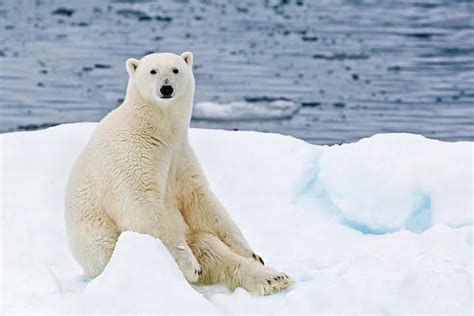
384,226
388,182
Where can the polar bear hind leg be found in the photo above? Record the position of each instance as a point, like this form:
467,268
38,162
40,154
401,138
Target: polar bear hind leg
92,241
221,265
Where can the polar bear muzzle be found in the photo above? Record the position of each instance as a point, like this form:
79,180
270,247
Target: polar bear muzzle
166,91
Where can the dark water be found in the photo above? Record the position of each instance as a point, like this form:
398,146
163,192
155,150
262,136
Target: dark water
353,68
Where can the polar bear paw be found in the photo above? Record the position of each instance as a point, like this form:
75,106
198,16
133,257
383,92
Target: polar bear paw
192,273
267,281
188,265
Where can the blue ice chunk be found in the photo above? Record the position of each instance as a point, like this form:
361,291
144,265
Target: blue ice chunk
365,229
421,218
313,189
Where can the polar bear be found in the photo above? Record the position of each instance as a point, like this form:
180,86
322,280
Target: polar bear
139,173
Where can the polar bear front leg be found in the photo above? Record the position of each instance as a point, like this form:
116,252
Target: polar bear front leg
203,210
168,225
207,213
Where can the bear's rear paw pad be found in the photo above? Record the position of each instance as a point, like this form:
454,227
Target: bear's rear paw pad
268,282
277,283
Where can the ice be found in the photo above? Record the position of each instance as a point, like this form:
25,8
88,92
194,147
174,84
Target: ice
262,110
389,182
380,226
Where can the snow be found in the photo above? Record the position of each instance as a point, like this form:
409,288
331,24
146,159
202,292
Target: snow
384,226
141,274
261,110
418,182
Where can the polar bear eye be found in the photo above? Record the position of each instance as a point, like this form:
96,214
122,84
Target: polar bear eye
175,71
153,72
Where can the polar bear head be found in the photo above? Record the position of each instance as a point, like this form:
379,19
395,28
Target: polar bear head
162,78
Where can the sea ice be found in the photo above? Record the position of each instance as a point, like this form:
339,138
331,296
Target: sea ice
380,226
235,111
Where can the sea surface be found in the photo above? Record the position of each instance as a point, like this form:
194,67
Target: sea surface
328,71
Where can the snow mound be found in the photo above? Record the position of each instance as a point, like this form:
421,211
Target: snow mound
311,211
399,181
131,274
239,111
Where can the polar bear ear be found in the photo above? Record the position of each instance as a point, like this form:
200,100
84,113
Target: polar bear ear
188,58
132,65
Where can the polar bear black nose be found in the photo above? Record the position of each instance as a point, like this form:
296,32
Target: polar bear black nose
166,90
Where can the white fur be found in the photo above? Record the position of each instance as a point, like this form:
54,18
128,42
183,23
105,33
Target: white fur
139,173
